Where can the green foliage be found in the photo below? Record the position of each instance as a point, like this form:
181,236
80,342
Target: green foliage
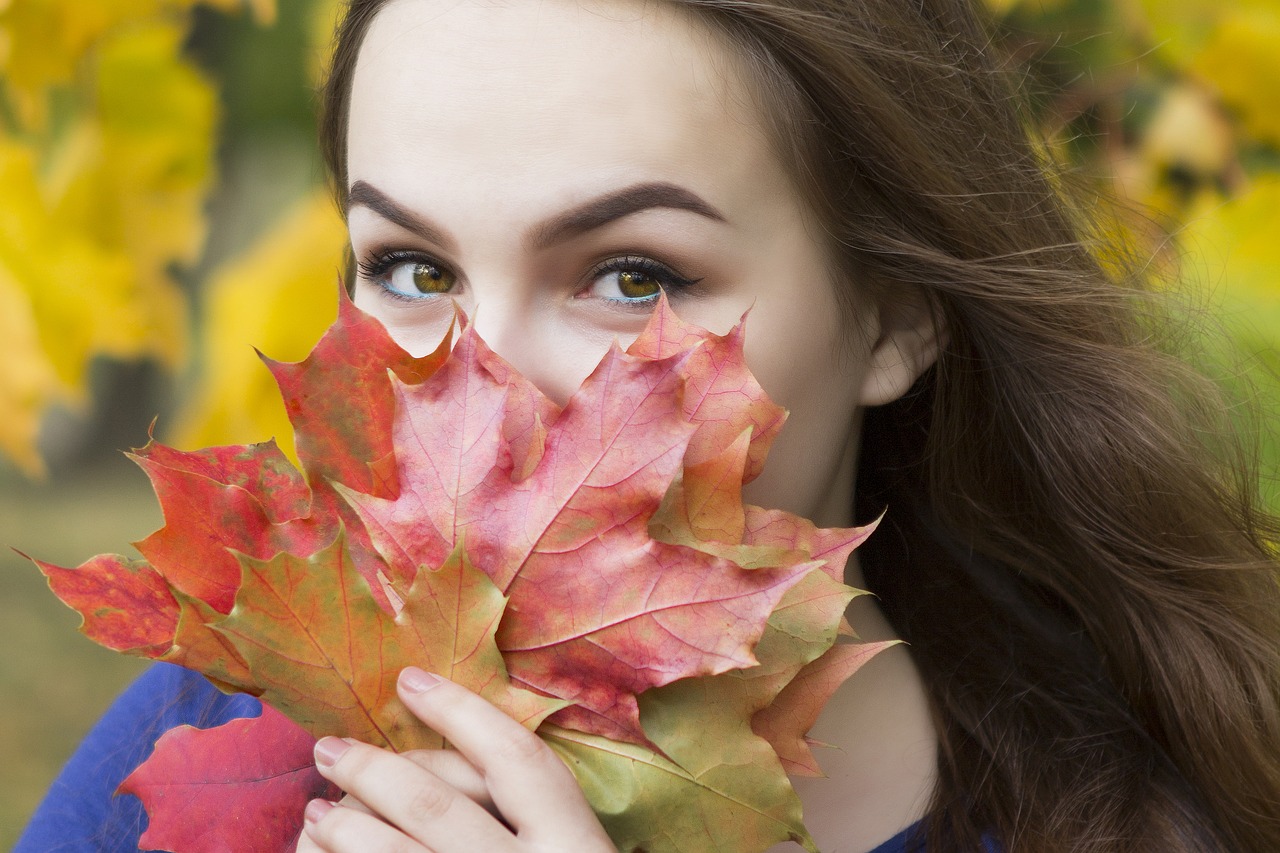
1174,105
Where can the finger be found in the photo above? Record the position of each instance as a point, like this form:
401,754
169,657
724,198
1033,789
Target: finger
334,828
410,797
307,844
350,802
453,769
531,786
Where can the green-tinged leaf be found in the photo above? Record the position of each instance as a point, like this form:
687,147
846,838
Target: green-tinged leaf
714,783
322,651
648,803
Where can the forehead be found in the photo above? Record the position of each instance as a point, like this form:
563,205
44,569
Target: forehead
526,88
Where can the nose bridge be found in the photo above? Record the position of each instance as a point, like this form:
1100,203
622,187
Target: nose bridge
514,328
502,323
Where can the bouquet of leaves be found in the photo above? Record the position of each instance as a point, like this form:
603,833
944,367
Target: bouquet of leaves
592,571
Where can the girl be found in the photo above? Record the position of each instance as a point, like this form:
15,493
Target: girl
1070,547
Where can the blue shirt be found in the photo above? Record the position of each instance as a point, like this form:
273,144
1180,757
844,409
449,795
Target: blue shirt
80,812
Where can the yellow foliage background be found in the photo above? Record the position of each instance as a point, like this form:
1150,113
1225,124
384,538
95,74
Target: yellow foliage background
108,145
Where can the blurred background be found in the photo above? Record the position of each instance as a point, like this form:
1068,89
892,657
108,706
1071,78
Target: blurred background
162,212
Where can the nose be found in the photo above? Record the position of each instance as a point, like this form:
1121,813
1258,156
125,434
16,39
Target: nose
537,340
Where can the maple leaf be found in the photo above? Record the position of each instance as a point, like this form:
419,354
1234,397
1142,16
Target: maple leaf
721,395
323,651
600,611
592,571
256,774
220,502
786,720
718,799
126,604
347,373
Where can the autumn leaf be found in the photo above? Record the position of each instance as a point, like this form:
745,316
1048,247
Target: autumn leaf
348,372
128,606
296,620
592,571
600,611
721,396
255,774
786,721
688,797
684,796
254,503
647,802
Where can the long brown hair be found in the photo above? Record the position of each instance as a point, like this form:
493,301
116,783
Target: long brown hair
1073,546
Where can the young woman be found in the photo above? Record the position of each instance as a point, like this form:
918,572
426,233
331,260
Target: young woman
1070,547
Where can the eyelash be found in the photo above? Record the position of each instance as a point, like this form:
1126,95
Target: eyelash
379,264
670,281
374,267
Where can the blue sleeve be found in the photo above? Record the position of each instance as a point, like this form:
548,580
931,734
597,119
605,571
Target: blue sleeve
907,841
911,840
81,811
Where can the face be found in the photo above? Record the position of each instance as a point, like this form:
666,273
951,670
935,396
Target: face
551,165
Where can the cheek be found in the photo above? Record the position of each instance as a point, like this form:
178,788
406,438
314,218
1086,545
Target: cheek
807,362
418,330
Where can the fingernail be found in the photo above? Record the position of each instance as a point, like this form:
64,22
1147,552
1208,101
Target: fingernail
317,809
415,680
329,750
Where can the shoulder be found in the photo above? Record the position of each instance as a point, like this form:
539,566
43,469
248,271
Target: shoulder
81,810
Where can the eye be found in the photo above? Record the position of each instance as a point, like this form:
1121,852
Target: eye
408,275
635,279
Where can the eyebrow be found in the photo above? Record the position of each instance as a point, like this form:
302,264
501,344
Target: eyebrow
616,205
586,217
364,194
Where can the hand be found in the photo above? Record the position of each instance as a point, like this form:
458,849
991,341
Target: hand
502,790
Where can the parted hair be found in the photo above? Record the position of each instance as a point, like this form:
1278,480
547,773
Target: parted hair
1073,544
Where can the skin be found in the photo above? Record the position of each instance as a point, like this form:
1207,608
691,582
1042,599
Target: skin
548,165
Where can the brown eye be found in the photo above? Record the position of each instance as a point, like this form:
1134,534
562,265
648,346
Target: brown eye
418,278
634,284
635,280
431,279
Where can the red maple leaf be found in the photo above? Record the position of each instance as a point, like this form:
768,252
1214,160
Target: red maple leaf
561,563
255,774
599,610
